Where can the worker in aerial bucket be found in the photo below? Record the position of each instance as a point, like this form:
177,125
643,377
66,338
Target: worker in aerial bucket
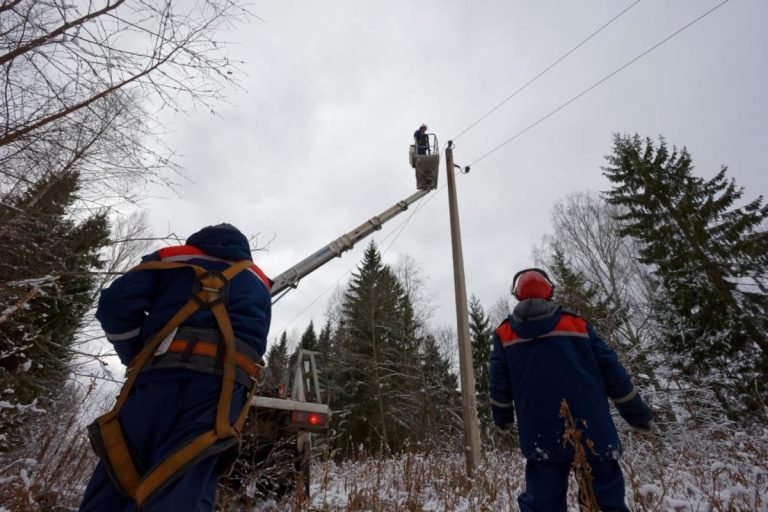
421,140
191,324
541,355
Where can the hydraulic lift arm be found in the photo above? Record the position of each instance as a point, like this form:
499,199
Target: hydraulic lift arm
291,277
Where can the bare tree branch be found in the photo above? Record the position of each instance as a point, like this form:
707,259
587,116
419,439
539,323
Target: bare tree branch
46,38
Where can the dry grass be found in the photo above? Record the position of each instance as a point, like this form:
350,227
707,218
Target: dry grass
50,471
720,469
54,484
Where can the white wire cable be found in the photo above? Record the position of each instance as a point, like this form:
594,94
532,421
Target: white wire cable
547,69
604,79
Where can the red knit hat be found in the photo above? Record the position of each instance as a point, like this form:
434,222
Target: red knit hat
532,283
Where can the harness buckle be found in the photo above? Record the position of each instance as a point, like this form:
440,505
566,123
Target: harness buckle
210,289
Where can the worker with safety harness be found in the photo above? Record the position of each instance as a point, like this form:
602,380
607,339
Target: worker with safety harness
543,354
190,323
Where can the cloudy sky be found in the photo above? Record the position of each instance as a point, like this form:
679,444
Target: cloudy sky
317,140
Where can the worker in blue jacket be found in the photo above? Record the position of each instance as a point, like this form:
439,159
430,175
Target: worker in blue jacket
421,139
541,355
175,396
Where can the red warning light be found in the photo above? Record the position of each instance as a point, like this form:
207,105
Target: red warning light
312,419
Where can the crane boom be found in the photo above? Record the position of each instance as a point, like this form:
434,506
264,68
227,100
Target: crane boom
291,277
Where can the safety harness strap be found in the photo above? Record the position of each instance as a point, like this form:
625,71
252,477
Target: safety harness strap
223,427
204,356
149,349
116,449
122,468
172,464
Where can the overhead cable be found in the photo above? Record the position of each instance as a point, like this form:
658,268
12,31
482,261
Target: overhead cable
548,68
605,78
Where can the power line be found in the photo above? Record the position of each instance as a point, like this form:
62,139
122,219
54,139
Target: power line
548,68
401,227
399,231
605,78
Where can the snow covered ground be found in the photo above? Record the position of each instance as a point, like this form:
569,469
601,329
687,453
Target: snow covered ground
725,474
693,471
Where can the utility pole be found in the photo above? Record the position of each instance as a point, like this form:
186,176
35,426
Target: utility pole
468,403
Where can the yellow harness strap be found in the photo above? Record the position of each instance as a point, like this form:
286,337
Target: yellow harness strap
141,487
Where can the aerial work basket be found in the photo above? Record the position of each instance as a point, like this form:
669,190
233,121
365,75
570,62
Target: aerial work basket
426,161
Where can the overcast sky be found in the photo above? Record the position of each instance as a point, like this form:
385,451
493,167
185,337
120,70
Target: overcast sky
317,140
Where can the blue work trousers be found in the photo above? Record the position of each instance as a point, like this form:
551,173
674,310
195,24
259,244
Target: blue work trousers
195,491
159,417
546,486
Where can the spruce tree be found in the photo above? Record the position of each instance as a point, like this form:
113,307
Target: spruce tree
439,415
375,380
573,291
277,366
480,331
46,254
308,340
324,367
710,260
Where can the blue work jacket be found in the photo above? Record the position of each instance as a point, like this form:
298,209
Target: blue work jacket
140,303
543,354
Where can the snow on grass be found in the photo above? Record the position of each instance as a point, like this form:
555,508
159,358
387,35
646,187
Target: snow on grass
694,471
728,473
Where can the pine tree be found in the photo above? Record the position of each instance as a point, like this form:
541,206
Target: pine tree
710,259
480,332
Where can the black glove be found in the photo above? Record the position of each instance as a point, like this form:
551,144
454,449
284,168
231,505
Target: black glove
503,417
506,430
643,428
635,412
